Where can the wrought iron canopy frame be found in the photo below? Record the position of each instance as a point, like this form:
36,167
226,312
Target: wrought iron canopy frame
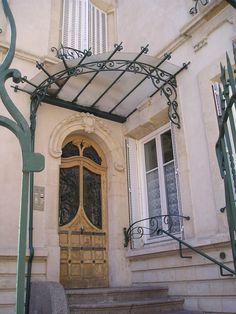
79,64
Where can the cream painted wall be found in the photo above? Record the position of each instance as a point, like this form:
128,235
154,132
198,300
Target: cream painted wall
161,20
192,103
33,25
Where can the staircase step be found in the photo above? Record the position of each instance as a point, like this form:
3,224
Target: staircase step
83,296
125,300
158,305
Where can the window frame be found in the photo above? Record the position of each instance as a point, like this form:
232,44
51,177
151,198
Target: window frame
162,184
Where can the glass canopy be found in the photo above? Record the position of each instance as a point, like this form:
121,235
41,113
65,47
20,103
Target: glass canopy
110,85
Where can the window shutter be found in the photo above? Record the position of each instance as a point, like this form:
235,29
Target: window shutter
75,24
84,26
132,173
97,38
173,130
66,29
133,188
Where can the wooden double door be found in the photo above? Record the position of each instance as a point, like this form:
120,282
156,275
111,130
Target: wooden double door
83,215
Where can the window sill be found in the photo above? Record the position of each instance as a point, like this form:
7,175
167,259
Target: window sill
170,247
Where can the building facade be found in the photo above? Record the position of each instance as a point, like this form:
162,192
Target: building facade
119,173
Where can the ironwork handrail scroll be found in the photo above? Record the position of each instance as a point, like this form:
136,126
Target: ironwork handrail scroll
30,161
151,226
163,225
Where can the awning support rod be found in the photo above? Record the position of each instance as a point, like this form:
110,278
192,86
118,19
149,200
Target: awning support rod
87,53
41,67
143,50
117,48
166,57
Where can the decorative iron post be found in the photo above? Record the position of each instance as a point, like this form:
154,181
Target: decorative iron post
31,161
225,101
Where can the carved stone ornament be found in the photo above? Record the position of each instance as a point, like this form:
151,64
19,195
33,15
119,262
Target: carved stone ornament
90,124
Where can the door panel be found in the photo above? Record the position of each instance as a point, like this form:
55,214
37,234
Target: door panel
83,230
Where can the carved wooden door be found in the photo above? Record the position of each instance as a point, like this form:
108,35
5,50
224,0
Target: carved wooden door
82,215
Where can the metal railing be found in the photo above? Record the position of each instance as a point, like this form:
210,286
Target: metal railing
225,101
168,225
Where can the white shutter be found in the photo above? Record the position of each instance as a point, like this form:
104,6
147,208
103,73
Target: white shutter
133,188
66,29
75,24
97,29
84,26
173,135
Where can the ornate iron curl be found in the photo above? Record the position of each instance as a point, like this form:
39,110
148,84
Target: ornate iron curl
68,53
194,10
161,80
118,47
171,95
144,69
150,226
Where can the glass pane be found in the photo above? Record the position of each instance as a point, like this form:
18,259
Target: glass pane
171,195
167,149
69,194
70,150
150,155
153,195
91,153
92,197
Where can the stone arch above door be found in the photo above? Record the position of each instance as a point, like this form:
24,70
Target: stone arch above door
90,125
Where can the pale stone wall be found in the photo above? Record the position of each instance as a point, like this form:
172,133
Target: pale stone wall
202,40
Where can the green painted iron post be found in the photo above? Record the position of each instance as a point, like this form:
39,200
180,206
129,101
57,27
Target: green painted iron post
225,100
31,161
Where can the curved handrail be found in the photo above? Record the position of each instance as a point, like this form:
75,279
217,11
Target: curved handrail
136,231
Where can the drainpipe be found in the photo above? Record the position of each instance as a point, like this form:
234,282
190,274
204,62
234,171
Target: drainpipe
31,248
33,110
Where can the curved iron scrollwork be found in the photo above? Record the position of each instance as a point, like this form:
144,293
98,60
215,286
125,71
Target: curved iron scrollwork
69,194
195,8
68,53
151,226
77,63
157,75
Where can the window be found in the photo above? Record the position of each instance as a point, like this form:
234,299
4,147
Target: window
84,26
153,185
159,180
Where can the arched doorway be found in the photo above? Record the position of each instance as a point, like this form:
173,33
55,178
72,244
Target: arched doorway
83,214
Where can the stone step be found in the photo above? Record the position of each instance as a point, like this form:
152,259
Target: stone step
158,305
83,296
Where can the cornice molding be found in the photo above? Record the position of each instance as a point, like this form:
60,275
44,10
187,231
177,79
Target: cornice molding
186,32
